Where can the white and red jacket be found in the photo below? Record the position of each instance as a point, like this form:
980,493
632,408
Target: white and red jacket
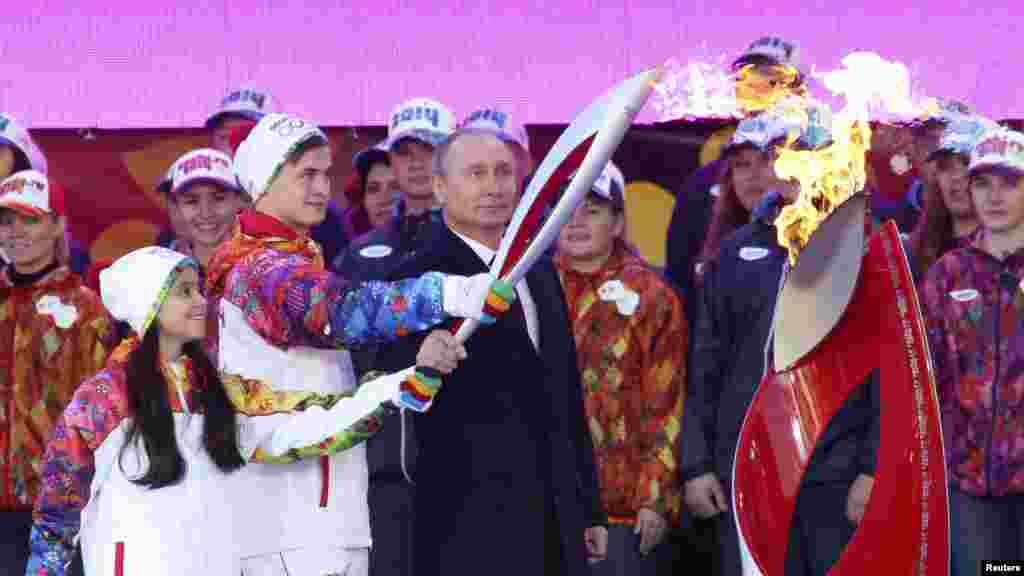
283,320
199,525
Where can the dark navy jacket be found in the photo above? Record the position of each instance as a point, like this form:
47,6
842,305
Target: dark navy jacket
375,256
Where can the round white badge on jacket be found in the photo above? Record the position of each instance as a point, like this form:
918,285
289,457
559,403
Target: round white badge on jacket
752,253
376,251
611,291
625,299
64,315
964,295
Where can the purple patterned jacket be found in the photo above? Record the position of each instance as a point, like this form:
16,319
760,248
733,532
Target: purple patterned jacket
974,310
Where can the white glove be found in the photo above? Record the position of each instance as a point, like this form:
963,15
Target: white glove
464,296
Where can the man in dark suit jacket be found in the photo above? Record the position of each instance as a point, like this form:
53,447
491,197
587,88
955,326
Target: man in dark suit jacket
506,482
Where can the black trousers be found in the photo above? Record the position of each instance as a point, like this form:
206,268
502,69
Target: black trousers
984,529
818,534
553,542
821,529
391,527
14,531
691,548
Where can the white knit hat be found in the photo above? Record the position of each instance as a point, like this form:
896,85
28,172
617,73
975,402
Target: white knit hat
263,152
135,286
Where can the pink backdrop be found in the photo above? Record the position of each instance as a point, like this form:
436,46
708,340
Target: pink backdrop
152,63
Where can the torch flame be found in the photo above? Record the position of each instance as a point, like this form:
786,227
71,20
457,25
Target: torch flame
695,90
830,175
826,177
706,87
759,88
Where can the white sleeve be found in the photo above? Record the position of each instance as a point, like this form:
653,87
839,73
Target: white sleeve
277,434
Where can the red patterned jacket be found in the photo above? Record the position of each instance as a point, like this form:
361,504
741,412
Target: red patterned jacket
632,356
54,334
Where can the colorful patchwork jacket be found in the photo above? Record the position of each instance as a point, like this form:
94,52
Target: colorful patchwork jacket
280,319
278,279
974,309
84,462
631,340
54,334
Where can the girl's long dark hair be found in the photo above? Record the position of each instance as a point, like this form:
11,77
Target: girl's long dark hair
728,215
153,424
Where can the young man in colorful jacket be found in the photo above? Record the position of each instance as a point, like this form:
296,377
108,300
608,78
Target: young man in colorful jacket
54,333
631,341
280,318
973,303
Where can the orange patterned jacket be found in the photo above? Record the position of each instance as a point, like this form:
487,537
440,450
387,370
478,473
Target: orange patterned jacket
54,334
631,339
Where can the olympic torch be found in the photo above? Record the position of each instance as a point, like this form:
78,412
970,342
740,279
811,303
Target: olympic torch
847,310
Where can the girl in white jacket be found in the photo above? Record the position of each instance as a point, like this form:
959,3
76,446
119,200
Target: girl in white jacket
138,466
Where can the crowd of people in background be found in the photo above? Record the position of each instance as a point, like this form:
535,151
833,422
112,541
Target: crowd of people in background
274,387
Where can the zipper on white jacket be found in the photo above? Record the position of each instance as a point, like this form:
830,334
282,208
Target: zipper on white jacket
119,559
179,374
325,480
